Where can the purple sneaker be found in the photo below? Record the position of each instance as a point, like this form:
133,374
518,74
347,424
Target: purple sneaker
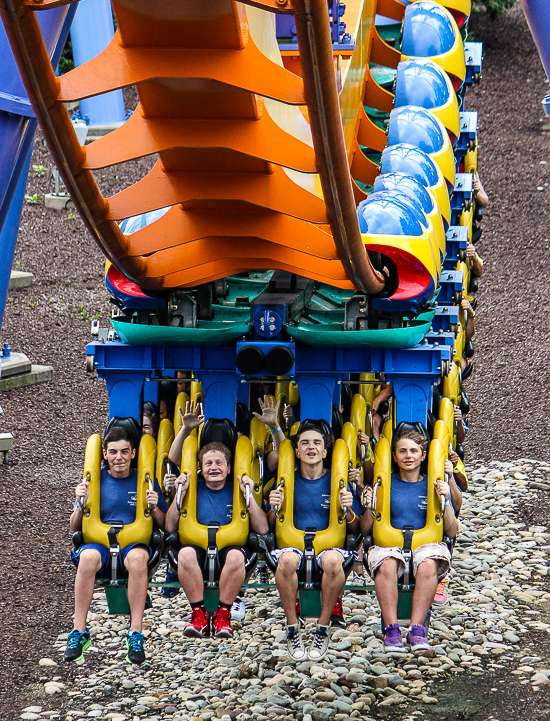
392,639
417,638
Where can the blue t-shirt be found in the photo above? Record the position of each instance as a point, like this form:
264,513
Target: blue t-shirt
409,502
214,506
312,502
119,497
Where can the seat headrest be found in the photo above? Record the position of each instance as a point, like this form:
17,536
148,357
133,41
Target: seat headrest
243,419
219,430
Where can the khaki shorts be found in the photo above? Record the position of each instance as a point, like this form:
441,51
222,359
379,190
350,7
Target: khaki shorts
278,552
437,551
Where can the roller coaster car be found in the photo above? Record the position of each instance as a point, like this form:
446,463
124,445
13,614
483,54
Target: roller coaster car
407,538
311,540
117,536
214,537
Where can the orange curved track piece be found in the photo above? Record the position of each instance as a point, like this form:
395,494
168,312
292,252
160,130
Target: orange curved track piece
251,185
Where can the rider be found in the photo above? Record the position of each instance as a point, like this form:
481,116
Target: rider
118,503
431,561
312,491
214,505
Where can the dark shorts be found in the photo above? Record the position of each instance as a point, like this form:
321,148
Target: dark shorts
104,552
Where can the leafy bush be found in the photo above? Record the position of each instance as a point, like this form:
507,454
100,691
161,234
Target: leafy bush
494,7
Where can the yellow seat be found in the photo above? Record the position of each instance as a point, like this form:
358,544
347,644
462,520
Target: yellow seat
165,438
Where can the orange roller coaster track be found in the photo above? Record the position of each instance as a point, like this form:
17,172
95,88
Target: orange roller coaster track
251,184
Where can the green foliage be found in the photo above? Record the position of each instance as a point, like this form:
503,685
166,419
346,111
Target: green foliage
494,7
66,61
32,199
39,171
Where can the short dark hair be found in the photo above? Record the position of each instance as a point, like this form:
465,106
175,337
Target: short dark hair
307,425
118,433
215,446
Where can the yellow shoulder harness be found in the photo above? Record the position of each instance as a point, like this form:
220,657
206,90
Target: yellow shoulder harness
93,529
193,533
384,534
286,533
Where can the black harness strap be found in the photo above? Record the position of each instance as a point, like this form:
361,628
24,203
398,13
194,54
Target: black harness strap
114,547
309,554
408,532
212,552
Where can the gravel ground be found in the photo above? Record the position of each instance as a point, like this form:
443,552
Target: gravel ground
50,323
499,597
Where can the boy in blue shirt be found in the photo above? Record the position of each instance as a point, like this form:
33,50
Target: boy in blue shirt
118,503
214,505
312,489
431,561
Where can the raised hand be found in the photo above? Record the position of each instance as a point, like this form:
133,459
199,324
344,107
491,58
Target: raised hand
193,417
270,412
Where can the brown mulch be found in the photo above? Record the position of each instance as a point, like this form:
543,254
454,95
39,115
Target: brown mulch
50,323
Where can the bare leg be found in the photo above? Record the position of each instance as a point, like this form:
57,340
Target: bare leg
286,579
385,586
232,576
88,565
190,575
332,582
136,565
424,591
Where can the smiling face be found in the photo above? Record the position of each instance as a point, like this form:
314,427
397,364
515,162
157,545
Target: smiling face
215,468
408,455
119,456
311,448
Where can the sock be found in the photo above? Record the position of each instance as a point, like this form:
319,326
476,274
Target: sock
224,605
198,604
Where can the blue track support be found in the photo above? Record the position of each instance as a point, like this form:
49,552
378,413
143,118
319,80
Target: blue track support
92,30
8,235
538,19
17,128
318,372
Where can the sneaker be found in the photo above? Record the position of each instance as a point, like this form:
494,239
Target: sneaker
417,638
319,645
238,609
200,624
77,643
221,623
170,591
134,644
337,618
295,643
261,573
392,638
442,594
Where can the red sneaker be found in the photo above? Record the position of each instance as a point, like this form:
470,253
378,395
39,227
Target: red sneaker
200,624
221,623
337,618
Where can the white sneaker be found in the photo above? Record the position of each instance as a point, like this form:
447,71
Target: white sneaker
319,645
238,609
295,643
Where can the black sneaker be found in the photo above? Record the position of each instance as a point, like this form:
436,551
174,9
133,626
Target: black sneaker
77,643
134,644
